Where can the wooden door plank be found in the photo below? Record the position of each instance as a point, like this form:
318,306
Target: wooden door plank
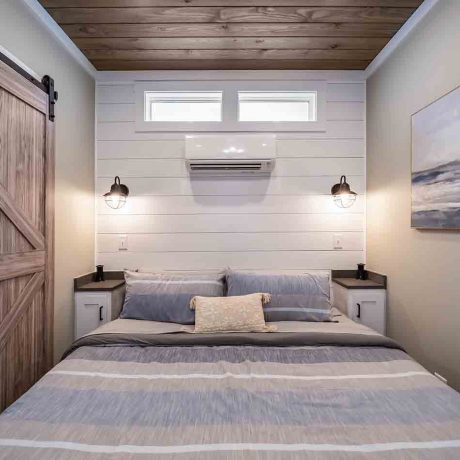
291,43
219,14
179,3
267,54
20,220
21,263
48,331
22,89
19,307
23,350
230,64
317,29
22,133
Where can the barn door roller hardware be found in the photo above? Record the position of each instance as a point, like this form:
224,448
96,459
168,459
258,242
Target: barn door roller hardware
46,85
48,82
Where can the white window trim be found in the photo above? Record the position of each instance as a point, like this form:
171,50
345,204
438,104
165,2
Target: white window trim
310,96
148,106
230,105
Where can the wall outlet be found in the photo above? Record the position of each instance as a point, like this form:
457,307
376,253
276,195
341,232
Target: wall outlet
123,243
337,241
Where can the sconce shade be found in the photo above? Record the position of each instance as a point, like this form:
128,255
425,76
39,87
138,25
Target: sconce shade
343,196
116,198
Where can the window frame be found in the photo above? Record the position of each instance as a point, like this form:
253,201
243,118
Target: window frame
148,106
230,105
311,98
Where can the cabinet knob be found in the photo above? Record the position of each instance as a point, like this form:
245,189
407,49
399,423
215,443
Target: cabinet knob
358,314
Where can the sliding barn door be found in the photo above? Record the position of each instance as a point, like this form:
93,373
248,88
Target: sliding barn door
26,234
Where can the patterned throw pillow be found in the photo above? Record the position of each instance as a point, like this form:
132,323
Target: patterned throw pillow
230,314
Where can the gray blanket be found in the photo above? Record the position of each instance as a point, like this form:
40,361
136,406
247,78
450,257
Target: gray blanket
133,391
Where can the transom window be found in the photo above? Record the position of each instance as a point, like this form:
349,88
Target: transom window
183,106
230,105
283,106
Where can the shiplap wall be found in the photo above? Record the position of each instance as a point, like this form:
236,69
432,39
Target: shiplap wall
284,222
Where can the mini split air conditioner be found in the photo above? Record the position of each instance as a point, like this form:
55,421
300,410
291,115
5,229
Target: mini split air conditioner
230,154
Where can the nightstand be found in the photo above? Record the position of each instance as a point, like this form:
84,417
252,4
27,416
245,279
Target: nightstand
363,301
96,303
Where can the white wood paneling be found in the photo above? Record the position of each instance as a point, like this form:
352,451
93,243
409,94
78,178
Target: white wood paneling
115,94
217,242
344,111
127,77
217,223
268,260
321,148
115,112
283,222
140,149
350,92
284,167
318,185
126,131
231,204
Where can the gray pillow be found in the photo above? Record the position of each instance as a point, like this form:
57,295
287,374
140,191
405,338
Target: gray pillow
166,297
303,297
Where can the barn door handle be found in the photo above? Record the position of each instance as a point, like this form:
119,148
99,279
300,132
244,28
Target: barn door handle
100,313
358,315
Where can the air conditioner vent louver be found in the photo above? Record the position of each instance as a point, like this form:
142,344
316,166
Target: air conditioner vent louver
230,154
225,167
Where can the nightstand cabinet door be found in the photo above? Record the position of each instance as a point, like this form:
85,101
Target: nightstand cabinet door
368,307
365,306
91,311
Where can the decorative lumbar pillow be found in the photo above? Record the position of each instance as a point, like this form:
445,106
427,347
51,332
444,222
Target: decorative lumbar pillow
231,314
166,296
304,297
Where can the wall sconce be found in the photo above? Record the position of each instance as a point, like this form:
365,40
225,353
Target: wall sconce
342,194
116,198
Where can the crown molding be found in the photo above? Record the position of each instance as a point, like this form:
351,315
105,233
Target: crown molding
65,41
400,36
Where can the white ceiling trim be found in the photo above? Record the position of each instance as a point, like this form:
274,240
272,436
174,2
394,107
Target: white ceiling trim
56,30
399,37
120,77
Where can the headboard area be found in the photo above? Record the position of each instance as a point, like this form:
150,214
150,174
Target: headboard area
284,221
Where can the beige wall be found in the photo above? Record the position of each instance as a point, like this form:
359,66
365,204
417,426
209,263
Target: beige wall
423,266
22,34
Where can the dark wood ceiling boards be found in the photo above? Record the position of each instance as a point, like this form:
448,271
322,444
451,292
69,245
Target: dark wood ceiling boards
230,34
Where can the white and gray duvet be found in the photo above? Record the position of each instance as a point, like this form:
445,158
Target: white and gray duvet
313,390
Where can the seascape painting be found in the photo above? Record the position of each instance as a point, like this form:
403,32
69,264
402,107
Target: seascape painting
436,164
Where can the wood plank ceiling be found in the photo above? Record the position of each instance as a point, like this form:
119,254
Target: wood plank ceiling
230,34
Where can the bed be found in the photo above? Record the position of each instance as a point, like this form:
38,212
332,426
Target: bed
142,389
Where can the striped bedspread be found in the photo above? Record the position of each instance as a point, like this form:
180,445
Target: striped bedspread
349,396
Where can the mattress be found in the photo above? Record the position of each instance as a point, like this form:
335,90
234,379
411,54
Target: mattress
140,389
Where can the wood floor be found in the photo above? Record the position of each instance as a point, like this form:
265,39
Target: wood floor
230,34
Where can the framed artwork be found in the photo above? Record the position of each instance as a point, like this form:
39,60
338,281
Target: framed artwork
436,164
